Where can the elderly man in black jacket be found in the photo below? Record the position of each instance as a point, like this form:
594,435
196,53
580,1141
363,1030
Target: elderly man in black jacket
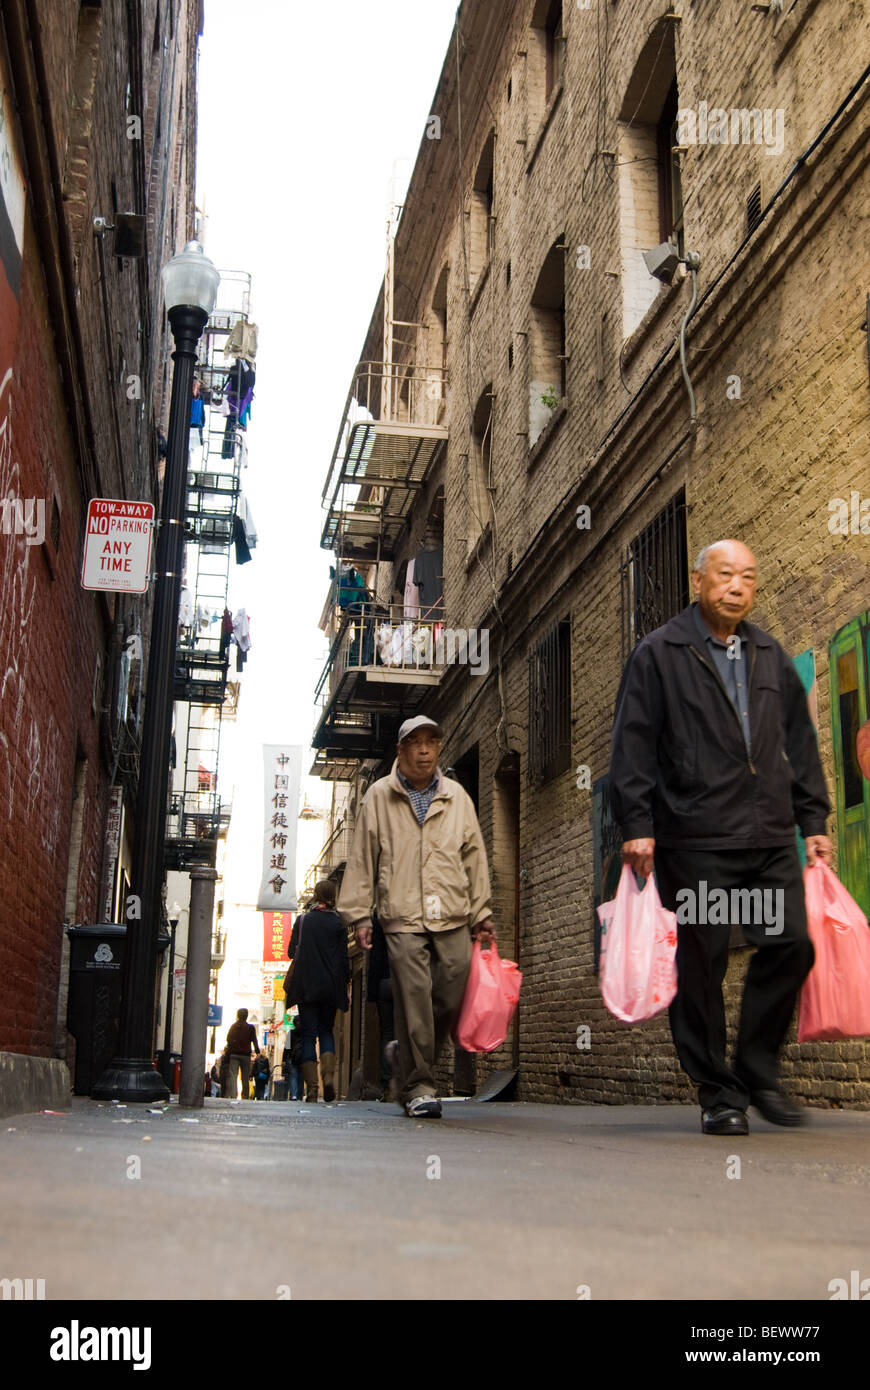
714,762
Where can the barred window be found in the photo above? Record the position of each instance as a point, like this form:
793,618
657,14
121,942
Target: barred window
550,704
654,574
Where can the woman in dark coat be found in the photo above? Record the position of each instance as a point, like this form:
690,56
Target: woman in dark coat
318,984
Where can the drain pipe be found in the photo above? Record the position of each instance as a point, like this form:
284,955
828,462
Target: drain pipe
692,261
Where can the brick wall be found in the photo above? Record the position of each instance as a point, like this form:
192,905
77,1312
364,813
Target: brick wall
63,426
783,314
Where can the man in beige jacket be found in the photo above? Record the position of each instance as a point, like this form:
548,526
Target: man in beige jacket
418,858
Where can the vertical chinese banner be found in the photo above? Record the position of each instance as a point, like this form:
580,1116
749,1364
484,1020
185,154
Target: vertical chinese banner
276,935
283,773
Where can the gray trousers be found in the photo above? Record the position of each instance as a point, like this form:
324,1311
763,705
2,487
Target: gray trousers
237,1063
429,971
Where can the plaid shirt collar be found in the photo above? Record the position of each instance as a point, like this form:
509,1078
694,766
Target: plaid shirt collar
421,799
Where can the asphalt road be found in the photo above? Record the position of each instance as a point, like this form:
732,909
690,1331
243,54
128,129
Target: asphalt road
354,1201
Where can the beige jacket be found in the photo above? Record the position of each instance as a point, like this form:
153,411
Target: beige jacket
429,877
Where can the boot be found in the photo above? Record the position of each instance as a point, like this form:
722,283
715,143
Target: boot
327,1068
309,1076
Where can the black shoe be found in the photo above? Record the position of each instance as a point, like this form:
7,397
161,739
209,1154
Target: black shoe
723,1119
777,1109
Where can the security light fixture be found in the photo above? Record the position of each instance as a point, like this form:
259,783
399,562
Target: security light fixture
662,261
129,229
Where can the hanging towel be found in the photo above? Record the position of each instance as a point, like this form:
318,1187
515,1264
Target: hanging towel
242,630
246,517
412,594
243,554
429,578
242,340
185,608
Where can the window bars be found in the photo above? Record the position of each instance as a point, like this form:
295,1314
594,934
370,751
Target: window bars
654,574
550,703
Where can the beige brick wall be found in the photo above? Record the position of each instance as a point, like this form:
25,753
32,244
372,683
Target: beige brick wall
784,315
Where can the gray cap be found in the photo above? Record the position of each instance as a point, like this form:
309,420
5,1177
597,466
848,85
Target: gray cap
420,721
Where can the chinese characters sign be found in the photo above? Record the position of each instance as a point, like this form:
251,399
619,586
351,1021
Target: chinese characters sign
276,935
283,769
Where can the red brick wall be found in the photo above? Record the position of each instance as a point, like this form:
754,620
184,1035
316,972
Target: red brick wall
53,633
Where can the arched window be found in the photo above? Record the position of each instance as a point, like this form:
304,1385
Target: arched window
545,57
547,360
480,477
481,222
436,354
650,195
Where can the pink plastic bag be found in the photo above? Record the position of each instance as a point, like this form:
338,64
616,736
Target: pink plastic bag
491,996
638,971
835,999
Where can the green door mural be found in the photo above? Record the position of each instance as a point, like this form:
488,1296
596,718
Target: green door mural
850,666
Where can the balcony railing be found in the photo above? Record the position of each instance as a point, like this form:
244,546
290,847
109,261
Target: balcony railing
379,643
333,856
194,822
390,435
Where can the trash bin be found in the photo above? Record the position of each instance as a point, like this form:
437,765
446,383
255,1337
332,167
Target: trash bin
175,1065
279,1088
94,1007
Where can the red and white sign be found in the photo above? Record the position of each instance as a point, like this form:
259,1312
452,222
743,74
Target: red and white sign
118,538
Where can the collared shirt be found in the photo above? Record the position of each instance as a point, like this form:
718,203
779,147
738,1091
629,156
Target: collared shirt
420,800
732,668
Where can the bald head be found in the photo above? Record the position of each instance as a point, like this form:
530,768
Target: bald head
736,551
724,581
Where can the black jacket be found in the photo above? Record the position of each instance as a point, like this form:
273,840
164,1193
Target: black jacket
680,771
322,970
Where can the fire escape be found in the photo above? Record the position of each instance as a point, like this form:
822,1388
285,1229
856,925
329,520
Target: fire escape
380,665
196,815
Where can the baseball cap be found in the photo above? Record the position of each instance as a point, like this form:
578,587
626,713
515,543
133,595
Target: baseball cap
420,721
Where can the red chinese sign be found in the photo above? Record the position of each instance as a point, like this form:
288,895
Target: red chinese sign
276,935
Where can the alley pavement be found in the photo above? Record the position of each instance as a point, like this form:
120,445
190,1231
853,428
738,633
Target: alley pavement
496,1200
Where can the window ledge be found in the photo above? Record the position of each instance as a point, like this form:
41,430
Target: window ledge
480,545
662,304
478,289
545,125
542,443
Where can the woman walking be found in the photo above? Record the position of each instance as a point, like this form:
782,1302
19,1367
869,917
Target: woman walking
318,979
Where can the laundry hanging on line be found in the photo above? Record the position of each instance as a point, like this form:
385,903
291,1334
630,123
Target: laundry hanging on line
429,578
242,340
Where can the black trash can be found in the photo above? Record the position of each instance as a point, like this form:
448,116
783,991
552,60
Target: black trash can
279,1088
94,1006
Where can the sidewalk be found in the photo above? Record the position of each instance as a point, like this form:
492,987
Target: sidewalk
336,1202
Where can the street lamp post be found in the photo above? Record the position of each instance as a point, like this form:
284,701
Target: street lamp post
190,283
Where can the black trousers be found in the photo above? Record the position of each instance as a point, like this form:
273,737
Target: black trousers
780,964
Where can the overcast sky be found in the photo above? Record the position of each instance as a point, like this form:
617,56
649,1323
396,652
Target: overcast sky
303,112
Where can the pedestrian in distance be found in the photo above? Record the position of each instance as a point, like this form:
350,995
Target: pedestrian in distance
224,1072
419,860
262,1072
241,1038
317,981
291,1063
714,762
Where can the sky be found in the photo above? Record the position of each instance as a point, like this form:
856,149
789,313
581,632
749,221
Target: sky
304,111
